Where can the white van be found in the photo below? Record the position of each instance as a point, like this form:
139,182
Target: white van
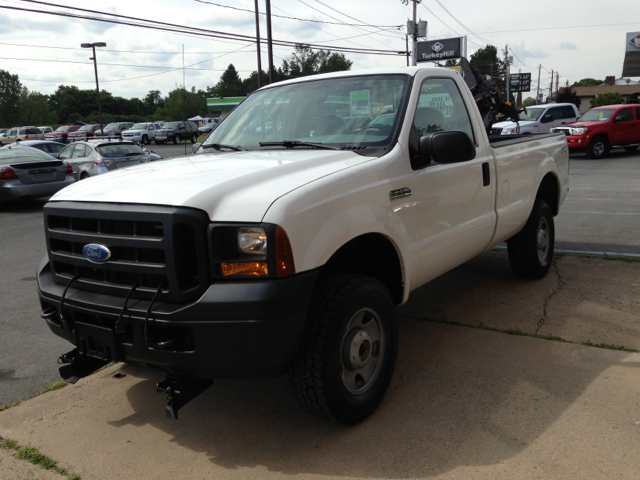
539,119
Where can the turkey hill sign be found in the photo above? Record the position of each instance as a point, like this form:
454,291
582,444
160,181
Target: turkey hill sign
436,50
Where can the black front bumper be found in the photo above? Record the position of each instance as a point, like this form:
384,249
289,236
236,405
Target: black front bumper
242,329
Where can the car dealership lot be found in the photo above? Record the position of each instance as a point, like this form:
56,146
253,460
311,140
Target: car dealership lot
464,403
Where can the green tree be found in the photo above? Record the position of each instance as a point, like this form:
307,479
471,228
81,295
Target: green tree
332,62
230,84
607,99
587,82
306,61
250,84
34,109
487,62
181,104
566,95
10,90
527,102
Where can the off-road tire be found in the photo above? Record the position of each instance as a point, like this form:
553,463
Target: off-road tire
598,148
531,250
344,306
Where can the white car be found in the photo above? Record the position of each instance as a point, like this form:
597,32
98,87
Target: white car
141,132
538,119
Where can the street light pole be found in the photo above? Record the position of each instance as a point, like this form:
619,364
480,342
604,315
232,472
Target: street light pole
95,67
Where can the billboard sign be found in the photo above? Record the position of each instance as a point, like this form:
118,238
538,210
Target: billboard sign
631,65
436,50
520,82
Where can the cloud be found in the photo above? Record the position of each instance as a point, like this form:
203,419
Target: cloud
567,46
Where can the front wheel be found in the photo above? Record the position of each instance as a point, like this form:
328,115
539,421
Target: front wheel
349,349
598,148
145,140
194,138
176,139
531,250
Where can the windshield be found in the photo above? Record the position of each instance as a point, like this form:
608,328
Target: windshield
119,150
339,112
532,114
171,125
86,128
602,115
63,129
112,126
21,155
139,126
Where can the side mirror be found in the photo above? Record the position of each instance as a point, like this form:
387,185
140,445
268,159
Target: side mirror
195,147
446,147
546,119
619,118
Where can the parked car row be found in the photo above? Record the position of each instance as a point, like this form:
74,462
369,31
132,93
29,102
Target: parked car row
40,168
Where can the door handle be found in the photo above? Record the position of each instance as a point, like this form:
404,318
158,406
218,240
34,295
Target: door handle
486,174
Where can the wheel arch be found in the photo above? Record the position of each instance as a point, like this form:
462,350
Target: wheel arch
549,190
373,255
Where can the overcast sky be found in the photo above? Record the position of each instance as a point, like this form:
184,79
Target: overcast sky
585,39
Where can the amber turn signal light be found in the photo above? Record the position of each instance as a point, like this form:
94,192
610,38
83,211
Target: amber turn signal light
244,269
284,255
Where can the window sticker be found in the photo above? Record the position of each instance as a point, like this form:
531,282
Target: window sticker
360,102
441,101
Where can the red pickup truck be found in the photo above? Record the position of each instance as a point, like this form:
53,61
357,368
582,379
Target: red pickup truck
602,128
61,134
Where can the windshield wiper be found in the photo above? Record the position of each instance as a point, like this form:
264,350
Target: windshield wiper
218,146
296,143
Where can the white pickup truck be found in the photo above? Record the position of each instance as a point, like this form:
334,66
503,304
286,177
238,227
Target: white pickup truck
284,244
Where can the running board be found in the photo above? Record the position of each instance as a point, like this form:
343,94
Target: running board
180,391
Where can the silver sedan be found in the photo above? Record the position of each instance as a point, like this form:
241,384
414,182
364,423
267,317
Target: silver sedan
26,173
95,157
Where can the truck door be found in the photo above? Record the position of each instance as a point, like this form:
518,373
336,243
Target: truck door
453,217
625,128
557,119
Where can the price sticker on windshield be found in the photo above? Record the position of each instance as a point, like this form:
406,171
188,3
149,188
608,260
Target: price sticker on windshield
360,103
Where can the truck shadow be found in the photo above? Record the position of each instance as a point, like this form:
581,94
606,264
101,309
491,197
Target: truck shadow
460,397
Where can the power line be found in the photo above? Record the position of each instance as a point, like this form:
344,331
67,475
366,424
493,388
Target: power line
364,24
116,51
163,26
441,21
295,18
107,64
464,26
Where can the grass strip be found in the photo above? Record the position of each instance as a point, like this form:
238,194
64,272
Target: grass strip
33,455
55,386
8,406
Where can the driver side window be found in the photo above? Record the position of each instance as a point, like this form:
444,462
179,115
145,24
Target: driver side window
441,108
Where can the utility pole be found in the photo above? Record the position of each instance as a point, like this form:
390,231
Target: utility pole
95,67
414,33
557,83
550,87
258,45
538,90
507,72
407,42
269,39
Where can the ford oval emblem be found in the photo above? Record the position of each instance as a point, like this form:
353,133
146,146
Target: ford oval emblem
96,253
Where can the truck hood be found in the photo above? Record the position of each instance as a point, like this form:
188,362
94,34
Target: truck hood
235,186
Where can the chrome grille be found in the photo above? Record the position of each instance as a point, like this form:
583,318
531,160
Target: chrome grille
150,246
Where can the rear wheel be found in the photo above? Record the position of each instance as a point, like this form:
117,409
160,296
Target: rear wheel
531,250
631,149
598,148
84,175
176,139
349,349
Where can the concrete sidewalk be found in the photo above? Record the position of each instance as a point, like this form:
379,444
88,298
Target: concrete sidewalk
465,403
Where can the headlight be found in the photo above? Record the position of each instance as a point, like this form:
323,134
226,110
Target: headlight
252,240
508,131
579,131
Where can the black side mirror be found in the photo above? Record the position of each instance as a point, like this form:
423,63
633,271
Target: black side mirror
619,118
446,147
547,119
